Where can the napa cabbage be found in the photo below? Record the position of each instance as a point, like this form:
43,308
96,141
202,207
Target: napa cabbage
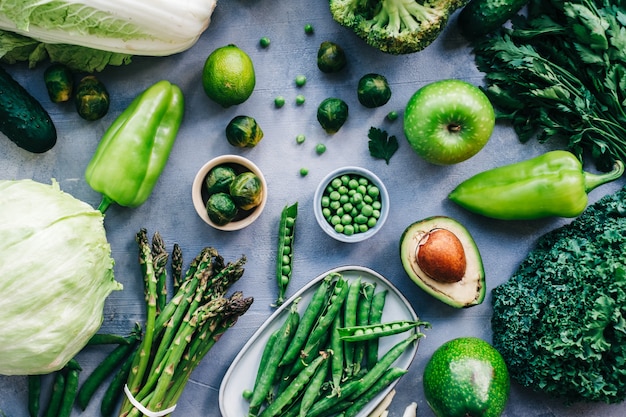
56,271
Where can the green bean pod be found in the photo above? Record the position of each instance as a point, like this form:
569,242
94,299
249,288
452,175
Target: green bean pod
69,392
362,319
307,321
295,388
366,396
375,331
376,315
56,396
350,320
313,389
34,395
264,384
337,358
284,255
112,362
114,391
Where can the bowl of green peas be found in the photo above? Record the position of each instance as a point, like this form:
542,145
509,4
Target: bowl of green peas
351,204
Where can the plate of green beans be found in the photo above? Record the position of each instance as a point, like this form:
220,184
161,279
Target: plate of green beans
337,346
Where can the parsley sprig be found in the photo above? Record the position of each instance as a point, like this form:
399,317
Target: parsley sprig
381,145
560,72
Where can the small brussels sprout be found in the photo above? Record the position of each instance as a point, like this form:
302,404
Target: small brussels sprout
246,190
332,113
91,99
331,57
219,178
243,132
221,208
59,82
373,90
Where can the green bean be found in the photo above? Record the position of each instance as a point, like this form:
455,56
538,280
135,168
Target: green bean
350,320
370,331
313,389
114,391
284,255
112,361
376,315
264,385
367,395
268,350
34,394
362,318
365,382
307,321
69,392
336,360
56,396
294,388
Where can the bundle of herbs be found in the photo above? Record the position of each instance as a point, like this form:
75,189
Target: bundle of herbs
179,332
559,72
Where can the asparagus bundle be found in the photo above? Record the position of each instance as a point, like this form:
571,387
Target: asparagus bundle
179,332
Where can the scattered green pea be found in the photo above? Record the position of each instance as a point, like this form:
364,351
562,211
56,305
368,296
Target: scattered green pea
320,148
300,138
300,99
279,101
392,115
304,172
300,80
308,29
264,42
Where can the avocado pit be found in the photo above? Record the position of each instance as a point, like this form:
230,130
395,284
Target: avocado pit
441,256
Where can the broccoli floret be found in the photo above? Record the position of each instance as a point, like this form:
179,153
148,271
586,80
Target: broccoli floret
560,320
395,26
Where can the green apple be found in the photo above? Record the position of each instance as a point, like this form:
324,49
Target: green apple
448,121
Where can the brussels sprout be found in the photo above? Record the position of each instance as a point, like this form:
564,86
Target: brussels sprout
92,98
221,208
332,113
59,82
243,132
246,190
373,90
331,57
219,178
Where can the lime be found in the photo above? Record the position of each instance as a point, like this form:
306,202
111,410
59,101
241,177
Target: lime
228,76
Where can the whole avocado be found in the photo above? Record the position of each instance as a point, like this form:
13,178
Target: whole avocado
466,377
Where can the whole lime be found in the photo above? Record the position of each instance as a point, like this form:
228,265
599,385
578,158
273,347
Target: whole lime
466,377
228,76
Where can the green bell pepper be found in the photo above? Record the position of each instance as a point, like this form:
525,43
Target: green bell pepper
134,150
552,184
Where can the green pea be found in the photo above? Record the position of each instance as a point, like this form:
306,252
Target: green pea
300,138
373,191
339,228
348,230
377,205
320,148
300,80
334,205
340,211
335,220
290,222
279,101
304,172
368,199
367,210
334,196
344,198
300,99
343,189
345,179
326,212
371,222
286,250
353,184
286,260
264,42
362,189
336,183
348,207
360,219
376,214
346,219
308,29
392,115
357,198
325,201
286,269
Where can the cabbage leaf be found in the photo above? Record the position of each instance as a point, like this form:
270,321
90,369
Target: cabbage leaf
56,271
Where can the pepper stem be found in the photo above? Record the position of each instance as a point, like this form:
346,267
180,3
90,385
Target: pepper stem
104,204
594,180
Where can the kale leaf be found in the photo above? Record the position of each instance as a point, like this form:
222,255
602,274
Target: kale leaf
560,320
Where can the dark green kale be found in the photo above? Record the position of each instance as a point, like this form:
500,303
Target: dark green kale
560,72
560,320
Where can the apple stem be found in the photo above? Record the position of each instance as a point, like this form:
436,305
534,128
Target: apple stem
454,127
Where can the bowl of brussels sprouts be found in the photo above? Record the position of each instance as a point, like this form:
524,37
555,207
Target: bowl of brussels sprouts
351,204
229,192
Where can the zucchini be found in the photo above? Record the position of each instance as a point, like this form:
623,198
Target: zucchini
482,17
22,118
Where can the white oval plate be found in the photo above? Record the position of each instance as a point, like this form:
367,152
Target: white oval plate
242,372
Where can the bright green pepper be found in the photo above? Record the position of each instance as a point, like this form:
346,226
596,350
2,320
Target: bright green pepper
552,184
135,148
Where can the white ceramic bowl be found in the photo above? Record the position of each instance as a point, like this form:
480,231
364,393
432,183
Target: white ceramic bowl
199,195
327,227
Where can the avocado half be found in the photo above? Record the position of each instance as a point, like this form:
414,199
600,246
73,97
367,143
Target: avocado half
464,289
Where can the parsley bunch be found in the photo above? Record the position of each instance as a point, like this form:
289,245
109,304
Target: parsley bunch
560,72
560,320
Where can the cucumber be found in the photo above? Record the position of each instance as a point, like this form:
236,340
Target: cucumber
482,17
23,119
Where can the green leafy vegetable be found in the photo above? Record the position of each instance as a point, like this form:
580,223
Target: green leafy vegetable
560,321
381,145
560,73
55,274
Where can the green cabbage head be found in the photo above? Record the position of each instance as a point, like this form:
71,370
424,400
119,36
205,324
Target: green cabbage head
56,271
